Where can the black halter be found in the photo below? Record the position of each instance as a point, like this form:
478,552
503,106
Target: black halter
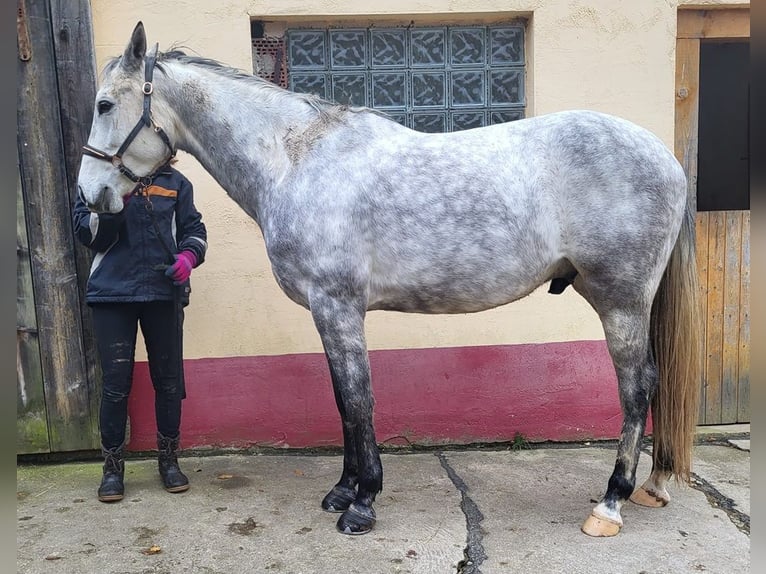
146,120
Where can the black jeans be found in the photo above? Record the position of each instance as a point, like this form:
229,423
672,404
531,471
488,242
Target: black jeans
115,326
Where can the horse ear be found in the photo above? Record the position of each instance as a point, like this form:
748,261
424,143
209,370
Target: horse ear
136,49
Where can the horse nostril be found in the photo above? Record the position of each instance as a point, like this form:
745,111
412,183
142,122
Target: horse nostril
97,203
81,195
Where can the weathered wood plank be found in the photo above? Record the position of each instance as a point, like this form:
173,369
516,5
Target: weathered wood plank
726,23
685,148
76,74
31,418
743,397
714,331
731,295
687,110
703,224
47,205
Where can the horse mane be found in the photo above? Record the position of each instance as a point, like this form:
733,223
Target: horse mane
320,105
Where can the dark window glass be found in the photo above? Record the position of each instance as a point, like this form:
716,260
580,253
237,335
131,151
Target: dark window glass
723,160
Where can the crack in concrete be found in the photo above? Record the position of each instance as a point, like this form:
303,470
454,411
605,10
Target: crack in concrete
473,553
718,500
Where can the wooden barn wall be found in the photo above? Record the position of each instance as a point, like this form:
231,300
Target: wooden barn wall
723,260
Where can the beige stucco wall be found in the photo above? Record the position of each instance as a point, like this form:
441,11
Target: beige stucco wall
612,56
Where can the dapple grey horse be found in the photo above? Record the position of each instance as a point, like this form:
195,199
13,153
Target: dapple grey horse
361,213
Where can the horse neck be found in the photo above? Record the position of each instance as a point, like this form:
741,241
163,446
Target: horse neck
235,128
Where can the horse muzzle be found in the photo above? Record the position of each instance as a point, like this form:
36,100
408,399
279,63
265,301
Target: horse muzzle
105,201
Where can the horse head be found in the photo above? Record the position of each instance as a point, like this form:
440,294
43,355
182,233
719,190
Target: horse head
126,145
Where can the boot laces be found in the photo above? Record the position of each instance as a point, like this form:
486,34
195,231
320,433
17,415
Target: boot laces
112,459
167,448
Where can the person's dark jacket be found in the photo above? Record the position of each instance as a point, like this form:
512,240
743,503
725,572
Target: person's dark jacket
130,260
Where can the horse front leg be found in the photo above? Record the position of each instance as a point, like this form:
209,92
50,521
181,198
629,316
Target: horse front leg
340,323
628,340
344,492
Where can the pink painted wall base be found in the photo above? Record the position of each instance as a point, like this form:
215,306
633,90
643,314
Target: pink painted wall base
552,391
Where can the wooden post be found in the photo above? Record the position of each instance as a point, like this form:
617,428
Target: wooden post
71,421
72,25
686,120
687,110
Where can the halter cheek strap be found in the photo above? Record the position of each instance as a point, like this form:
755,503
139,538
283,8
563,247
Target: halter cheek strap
146,120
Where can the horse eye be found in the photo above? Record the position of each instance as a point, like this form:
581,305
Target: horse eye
104,106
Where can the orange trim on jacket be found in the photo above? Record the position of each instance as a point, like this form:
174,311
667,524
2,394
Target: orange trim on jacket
164,192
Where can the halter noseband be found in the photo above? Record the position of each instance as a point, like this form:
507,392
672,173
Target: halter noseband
146,120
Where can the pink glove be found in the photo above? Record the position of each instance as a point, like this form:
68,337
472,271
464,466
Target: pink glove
182,268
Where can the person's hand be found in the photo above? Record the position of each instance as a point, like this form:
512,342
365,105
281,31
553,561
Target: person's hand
180,271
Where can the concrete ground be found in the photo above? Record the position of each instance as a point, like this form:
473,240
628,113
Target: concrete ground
466,511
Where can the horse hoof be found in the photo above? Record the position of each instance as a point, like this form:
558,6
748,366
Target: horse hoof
357,520
338,499
600,526
643,497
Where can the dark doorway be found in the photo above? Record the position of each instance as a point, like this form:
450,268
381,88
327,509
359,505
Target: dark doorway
723,181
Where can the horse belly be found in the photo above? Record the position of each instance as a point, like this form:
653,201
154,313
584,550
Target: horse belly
464,286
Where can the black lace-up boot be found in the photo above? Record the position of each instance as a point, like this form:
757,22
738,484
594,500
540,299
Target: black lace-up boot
112,486
172,477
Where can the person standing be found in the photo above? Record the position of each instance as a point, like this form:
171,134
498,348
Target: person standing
144,256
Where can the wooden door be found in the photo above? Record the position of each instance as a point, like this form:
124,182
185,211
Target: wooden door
723,235
57,390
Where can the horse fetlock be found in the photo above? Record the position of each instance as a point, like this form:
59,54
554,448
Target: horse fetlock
369,488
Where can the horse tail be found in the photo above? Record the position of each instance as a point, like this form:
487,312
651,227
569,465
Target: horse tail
676,332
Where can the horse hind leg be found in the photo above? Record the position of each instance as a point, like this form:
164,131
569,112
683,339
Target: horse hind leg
627,334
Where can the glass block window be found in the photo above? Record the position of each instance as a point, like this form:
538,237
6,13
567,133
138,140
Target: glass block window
432,79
